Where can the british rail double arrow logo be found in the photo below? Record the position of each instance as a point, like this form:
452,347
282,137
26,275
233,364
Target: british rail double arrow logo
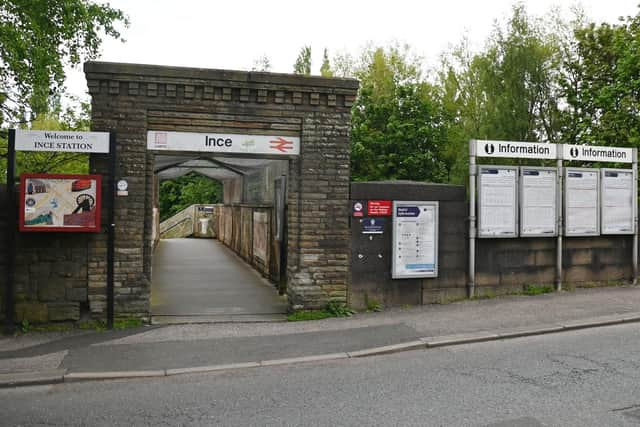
281,144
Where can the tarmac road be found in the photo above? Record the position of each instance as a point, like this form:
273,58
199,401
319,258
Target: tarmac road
587,377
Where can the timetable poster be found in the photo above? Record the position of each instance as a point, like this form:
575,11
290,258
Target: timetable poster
617,201
538,202
498,202
415,239
581,202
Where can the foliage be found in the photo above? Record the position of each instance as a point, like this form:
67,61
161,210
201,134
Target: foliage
333,309
533,290
509,91
373,304
337,309
177,194
303,62
304,315
38,39
397,130
71,119
263,63
325,68
602,85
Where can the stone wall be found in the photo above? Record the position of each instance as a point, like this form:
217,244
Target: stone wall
131,99
506,265
503,266
50,274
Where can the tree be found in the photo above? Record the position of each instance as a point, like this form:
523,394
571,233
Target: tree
263,63
37,40
303,62
602,85
396,125
325,68
70,119
509,91
180,193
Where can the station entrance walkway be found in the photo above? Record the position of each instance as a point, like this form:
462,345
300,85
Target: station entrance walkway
201,280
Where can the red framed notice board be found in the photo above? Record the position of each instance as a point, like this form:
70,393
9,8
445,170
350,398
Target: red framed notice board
69,203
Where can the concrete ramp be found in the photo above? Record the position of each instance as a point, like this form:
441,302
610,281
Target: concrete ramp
200,280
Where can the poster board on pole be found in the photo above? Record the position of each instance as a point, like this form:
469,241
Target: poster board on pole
60,202
497,201
616,196
415,240
538,202
581,202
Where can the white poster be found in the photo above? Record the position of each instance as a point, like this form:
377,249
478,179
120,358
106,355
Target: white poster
223,143
581,202
538,203
497,197
617,201
415,239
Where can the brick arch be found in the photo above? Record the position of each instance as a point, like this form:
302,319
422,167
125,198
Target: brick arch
129,99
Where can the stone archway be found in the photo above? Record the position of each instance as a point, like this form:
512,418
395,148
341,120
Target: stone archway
130,99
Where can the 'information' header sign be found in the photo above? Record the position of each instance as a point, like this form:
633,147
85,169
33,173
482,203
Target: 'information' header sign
522,150
590,153
62,141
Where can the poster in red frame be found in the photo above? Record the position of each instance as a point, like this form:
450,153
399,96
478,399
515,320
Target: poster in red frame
60,202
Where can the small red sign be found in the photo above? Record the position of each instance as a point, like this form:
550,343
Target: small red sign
357,210
379,208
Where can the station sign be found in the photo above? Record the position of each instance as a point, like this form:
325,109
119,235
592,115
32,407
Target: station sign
223,143
590,153
510,149
62,141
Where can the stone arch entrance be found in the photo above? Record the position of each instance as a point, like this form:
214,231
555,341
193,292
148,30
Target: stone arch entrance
131,99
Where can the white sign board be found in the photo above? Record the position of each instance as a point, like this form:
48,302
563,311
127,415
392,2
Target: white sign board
521,150
616,194
497,201
538,201
223,143
415,240
590,153
62,141
581,206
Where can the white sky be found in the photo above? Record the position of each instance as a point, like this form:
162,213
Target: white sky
231,34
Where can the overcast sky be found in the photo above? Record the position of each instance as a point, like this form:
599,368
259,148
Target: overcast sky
232,34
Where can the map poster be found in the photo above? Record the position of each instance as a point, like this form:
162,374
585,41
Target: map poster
415,240
69,203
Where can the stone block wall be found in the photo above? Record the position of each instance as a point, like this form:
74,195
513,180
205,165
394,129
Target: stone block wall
506,265
51,269
503,266
130,99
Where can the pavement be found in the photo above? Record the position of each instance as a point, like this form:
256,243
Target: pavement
192,348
